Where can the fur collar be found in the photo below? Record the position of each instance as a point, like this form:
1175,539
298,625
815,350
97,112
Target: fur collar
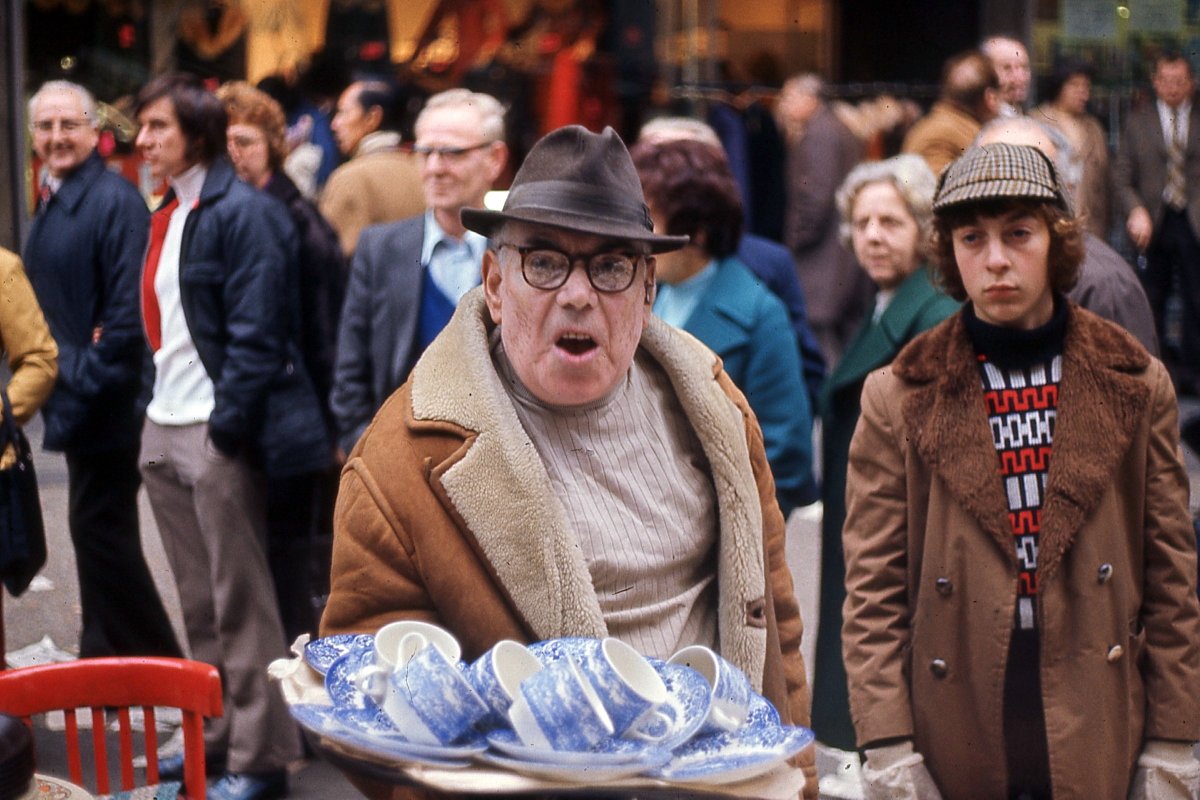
498,486
1101,402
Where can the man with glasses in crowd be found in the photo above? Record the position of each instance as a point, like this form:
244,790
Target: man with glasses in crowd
563,463
407,276
83,257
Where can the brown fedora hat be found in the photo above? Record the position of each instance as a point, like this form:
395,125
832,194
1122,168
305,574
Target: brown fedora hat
579,181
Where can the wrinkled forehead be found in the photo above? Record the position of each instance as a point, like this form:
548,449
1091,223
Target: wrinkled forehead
58,102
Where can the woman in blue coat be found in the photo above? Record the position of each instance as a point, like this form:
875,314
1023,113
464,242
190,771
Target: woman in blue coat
705,290
887,215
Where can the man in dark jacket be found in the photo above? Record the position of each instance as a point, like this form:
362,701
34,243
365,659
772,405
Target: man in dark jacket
231,399
83,257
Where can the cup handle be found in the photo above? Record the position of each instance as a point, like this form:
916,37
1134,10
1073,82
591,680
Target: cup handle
371,680
724,720
409,645
653,725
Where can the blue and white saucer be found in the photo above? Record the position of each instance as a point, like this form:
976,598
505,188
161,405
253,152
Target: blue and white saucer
609,752
552,650
740,755
333,724
688,695
339,677
321,653
593,772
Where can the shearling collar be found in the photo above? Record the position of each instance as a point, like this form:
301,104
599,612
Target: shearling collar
1101,402
497,485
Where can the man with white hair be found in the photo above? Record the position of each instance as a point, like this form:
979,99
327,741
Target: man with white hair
1011,61
407,276
84,259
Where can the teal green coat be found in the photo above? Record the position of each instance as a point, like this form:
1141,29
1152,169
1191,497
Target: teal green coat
748,327
916,307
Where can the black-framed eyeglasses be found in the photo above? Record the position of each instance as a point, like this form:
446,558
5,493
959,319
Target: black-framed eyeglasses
547,268
448,153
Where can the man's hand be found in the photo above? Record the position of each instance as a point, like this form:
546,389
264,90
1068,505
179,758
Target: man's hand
1140,227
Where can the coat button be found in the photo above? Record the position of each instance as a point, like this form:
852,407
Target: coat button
1114,653
944,586
1104,573
938,667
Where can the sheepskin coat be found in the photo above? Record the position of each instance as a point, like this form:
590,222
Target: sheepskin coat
446,514
932,571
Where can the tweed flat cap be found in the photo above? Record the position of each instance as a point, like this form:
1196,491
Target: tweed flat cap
998,172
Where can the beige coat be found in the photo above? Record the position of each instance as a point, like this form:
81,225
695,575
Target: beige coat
25,339
380,184
932,573
941,136
1090,157
447,514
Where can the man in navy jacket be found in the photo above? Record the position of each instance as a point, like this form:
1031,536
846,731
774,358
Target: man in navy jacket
83,257
231,400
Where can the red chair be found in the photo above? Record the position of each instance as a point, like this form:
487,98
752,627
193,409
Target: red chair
119,683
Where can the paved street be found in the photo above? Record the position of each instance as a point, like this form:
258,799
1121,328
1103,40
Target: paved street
51,607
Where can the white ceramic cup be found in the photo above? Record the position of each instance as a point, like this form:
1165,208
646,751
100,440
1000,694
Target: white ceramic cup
632,690
558,708
372,679
429,697
730,689
498,673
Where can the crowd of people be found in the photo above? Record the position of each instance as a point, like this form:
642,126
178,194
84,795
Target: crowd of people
513,448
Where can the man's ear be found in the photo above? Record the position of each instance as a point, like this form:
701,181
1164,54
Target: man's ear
491,282
375,116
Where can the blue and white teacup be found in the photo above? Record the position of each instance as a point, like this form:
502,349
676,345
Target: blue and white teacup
372,679
497,676
429,698
730,688
633,691
558,708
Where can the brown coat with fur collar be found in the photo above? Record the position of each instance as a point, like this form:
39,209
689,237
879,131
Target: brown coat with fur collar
1120,654
446,514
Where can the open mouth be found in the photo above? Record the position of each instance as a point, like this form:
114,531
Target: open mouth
576,344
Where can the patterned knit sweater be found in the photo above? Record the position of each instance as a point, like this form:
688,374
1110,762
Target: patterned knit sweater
1020,372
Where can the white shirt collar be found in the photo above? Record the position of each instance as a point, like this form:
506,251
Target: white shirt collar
434,234
189,183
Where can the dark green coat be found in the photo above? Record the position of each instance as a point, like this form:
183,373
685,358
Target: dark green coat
916,307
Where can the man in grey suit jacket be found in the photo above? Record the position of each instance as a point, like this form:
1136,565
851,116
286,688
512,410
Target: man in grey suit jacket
407,276
1157,179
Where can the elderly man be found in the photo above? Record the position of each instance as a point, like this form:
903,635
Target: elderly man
561,462
970,96
231,400
407,276
380,182
1010,59
83,257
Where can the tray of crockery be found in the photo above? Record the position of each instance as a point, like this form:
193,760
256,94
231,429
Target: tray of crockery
563,715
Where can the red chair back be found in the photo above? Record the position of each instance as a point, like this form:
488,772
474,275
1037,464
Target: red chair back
120,683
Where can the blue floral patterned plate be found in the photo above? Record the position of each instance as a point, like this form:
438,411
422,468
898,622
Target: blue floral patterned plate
321,653
610,752
740,755
370,737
